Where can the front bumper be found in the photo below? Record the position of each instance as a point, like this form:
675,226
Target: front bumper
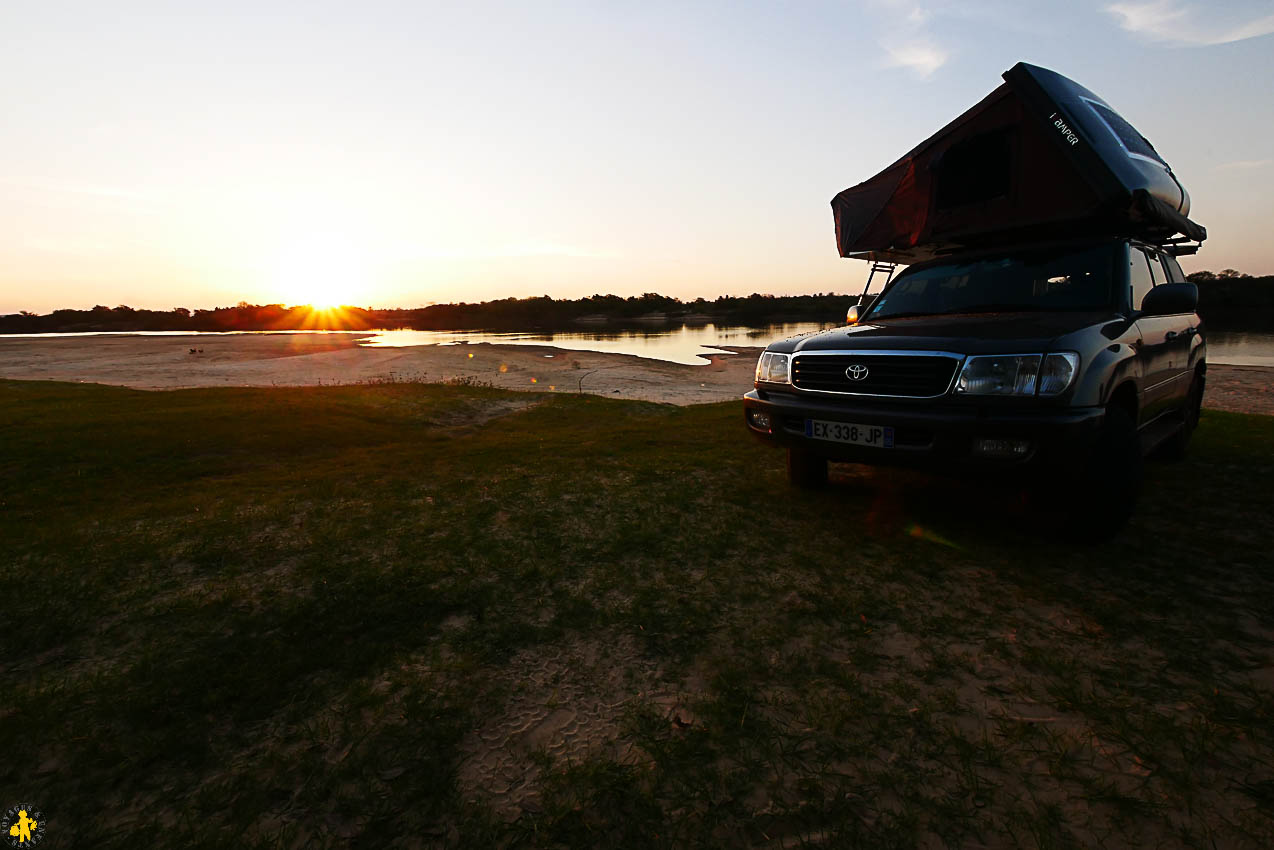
933,433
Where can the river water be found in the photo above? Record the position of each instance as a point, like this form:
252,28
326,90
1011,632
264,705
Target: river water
684,344
688,344
1241,349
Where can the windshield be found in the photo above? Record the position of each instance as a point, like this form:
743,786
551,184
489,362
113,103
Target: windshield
1069,279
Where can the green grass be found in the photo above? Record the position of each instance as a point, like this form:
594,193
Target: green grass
414,615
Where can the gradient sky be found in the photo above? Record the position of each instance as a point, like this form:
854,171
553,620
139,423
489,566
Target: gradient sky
164,154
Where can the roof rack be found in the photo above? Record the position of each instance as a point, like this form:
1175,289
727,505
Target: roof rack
1180,246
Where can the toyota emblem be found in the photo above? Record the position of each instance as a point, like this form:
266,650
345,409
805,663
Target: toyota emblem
857,372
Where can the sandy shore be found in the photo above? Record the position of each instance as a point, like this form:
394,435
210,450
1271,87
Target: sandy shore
261,360
1243,389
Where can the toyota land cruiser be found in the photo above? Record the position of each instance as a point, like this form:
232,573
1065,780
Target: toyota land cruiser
1066,360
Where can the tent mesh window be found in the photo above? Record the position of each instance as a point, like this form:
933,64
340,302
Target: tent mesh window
974,170
1127,134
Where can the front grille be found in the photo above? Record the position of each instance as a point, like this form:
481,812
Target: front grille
917,375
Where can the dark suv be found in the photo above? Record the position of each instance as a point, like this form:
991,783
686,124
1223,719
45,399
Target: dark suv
1069,361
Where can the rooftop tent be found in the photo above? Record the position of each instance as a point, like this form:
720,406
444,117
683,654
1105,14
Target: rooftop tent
1040,157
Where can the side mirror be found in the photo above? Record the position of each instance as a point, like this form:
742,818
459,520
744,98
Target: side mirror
851,318
1169,298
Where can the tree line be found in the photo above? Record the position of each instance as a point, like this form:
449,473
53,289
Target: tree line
1231,300
1228,300
540,312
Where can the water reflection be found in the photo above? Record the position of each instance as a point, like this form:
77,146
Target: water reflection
695,345
689,345
1236,348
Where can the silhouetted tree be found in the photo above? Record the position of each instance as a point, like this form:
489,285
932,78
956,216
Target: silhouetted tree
1229,299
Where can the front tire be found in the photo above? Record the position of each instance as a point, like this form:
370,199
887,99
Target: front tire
1106,492
806,470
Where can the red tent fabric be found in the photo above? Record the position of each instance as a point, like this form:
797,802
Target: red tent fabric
1039,157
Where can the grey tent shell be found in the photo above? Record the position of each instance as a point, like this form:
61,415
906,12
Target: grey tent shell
1041,157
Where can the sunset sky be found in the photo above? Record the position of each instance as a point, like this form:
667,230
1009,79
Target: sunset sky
164,154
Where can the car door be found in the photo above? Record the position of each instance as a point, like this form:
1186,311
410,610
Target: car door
1181,334
1159,336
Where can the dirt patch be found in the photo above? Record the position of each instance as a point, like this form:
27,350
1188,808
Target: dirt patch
565,704
475,412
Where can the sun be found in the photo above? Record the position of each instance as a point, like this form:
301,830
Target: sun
326,299
323,271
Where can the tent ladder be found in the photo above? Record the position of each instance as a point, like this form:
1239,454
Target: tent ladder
877,267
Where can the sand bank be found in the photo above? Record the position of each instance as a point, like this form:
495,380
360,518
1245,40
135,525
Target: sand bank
263,360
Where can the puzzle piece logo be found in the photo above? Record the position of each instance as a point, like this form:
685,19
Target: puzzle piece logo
23,826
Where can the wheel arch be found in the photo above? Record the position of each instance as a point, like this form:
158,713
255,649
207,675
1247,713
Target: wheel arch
1125,396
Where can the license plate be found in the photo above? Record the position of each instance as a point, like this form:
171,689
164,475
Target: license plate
877,436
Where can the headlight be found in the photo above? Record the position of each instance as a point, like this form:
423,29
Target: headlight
1018,374
773,368
999,374
1058,372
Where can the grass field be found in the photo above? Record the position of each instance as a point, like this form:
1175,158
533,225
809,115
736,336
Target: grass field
413,615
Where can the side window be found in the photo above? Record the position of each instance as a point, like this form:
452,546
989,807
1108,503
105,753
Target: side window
1175,275
1139,280
1156,269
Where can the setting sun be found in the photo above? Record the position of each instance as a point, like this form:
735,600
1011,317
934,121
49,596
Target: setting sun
320,270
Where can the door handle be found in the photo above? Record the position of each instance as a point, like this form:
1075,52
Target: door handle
1170,335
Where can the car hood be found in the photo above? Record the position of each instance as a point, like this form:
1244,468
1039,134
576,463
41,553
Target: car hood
970,333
